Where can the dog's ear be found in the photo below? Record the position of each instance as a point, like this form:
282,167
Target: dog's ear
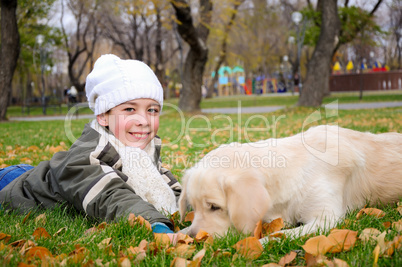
183,195
247,200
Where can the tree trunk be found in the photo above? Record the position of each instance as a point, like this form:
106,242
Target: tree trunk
194,66
318,69
10,50
222,55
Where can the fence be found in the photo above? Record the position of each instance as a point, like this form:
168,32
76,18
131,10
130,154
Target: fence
390,80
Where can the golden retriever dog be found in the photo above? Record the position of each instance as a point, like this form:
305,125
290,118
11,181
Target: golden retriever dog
312,178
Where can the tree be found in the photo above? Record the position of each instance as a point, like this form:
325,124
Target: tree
318,69
80,46
10,49
197,56
223,51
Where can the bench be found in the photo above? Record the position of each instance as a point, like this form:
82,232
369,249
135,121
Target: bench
36,102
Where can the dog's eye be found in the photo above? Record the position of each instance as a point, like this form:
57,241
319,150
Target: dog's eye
214,207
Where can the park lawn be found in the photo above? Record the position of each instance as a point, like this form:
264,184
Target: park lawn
72,239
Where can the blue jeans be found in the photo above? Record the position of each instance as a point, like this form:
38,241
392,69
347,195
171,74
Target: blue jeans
7,175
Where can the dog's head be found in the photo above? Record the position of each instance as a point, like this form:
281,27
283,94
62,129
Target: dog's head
223,197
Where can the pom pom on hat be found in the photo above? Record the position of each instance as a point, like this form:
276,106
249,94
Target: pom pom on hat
114,81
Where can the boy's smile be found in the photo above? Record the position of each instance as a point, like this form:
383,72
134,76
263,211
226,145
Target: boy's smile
135,123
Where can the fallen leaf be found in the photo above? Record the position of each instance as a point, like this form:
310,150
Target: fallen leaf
317,245
250,248
38,252
189,217
371,212
162,240
258,230
41,219
180,262
132,219
369,235
26,217
40,233
342,240
340,263
183,250
288,258
104,243
60,231
274,226
124,262
5,237
201,236
272,265
397,226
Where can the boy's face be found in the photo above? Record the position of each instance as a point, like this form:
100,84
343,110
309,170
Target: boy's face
135,123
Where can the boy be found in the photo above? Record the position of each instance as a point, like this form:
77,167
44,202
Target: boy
114,168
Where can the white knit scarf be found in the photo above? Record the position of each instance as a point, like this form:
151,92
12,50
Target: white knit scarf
142,174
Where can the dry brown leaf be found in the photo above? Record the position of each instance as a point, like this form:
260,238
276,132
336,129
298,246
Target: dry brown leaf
124,262
250,248
38,252
41,219
369,235
342,240
60,231
162,240
200,254
317,245
274,226
189,217
183,250
26,217
272,265
201,236
104,243
40,232
288,258
387,224
340,263
258,230
132,219
183,238
397,226
180,262
371,212
5,237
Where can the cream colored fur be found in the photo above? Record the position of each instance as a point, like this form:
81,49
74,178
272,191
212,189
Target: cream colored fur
312,178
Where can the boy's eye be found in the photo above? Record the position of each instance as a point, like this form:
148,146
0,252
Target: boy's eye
153,110
129,109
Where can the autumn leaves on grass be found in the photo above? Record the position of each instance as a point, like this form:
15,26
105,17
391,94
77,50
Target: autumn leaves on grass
188,251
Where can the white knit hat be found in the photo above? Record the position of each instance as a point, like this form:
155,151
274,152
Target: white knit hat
114,81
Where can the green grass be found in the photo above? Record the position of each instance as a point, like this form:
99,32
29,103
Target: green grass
186,139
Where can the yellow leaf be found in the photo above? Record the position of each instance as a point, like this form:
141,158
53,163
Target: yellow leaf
369,235
40,233
183,250
189,217
201,236
371,212
250,248
317,245
397,226
39,252
179,262
273,226
162,240
342,240
288,258
5,237
41,219
258,230
340,263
